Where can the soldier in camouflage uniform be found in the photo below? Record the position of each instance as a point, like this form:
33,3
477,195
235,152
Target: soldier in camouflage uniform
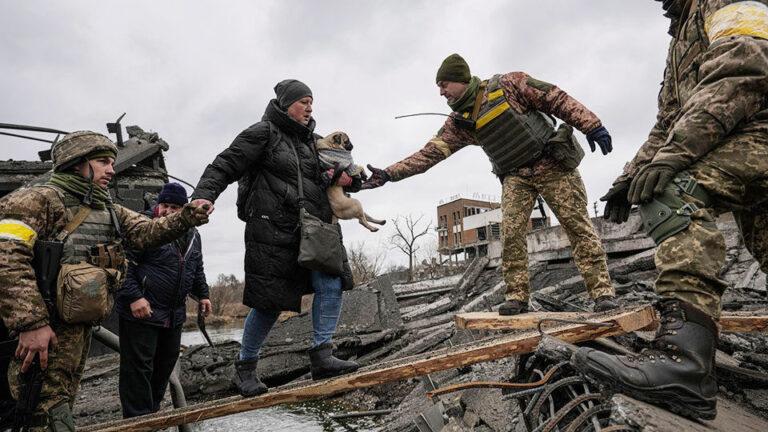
509,116
706,155
82,169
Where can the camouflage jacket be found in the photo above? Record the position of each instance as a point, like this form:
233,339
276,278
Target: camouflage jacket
523,93
39,213
715,83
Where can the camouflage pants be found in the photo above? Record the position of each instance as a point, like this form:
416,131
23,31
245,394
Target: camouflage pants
735,176
565,194
65,369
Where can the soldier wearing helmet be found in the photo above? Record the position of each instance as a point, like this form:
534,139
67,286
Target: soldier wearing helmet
75,211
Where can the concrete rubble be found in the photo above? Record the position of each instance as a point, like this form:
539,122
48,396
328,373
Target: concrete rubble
383,321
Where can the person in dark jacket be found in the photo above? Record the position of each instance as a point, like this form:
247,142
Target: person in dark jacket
263,160
152,309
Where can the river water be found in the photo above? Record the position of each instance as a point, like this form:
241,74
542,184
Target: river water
306,417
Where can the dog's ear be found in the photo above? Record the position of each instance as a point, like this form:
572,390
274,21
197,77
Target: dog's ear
337,138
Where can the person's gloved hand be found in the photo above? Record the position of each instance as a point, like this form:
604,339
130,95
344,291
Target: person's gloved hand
602,138
650,181
378,178
617,205
193,215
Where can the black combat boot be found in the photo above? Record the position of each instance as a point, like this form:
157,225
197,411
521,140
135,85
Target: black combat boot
677,373
325,365
605,303
247,379
513,307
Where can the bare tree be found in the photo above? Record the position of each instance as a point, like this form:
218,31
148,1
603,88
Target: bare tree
365,265
407,232
226,294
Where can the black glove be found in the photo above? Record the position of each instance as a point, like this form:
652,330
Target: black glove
617,205
378,178
602,138
650,181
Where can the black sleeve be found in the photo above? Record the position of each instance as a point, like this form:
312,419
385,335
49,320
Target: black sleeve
231,164
200,285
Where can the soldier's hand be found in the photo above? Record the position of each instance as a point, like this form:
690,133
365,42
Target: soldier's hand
378,178
203,202
140,309
33,342
205,307
602,138
193,215
617,205
650,181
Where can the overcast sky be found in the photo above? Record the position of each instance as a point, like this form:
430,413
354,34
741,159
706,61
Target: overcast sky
199,72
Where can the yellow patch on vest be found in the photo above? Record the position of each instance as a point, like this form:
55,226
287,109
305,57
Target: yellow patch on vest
12,229
746,18
495,94
492,114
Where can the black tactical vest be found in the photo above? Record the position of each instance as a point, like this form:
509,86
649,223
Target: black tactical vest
510,140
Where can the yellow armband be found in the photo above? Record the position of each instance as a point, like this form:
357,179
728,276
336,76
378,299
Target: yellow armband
745,18
16,230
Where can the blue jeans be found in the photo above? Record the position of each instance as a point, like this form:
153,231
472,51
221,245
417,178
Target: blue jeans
326,309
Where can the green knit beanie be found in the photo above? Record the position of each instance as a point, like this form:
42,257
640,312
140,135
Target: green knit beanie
454,69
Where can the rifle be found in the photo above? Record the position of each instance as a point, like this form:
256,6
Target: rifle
30,386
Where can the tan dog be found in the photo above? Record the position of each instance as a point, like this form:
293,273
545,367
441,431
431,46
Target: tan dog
334,151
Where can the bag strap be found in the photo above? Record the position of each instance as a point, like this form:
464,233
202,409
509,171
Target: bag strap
75,222
478,99
299,175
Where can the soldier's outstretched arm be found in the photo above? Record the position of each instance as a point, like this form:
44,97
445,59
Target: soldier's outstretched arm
732,88
141,232
530,93
449,140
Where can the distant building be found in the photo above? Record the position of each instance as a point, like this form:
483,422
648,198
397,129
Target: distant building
473,228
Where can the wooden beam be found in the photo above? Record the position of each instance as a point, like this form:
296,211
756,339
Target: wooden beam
737,322
449,358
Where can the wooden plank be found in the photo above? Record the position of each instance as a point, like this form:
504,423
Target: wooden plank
744,322
396,370
737,322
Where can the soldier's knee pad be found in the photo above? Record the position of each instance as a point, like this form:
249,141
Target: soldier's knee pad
60,418
668,214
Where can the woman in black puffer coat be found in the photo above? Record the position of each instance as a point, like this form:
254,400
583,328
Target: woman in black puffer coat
261,159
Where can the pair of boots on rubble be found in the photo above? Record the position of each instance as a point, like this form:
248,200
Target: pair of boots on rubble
677,372
323,365
516,307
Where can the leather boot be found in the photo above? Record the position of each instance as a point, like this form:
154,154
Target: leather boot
325,365
677,373
605,303
247,379
513,307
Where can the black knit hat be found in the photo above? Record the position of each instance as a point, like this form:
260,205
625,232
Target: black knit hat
289,91
455,69
172,193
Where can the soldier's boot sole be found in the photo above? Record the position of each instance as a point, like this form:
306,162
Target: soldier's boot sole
672,397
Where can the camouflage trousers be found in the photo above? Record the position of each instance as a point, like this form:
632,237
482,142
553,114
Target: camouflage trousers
735,176
565,194
61,379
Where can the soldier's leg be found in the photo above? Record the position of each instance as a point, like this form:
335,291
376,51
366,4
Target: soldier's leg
566,196
517,201
60,380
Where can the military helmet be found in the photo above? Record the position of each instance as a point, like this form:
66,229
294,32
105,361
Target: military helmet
74,147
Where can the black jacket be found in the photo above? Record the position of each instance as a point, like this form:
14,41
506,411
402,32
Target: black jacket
261,159
164,276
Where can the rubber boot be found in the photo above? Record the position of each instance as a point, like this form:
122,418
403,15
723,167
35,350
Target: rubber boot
325,365
247,379
513,307
677,373
605,303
